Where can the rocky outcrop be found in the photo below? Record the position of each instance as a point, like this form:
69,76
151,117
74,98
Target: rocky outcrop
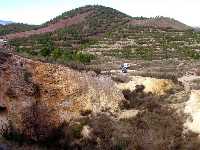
38,98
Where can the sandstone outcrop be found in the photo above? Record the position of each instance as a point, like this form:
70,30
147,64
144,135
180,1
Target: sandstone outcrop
38,98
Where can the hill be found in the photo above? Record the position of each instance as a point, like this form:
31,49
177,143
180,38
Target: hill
89,19
94,20
15,27
103,32
70,31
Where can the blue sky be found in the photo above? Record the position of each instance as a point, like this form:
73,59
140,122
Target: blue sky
39,11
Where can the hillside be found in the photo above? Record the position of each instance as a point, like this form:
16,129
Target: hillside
92,20
70,31
105,33
89,19
160,22
15,27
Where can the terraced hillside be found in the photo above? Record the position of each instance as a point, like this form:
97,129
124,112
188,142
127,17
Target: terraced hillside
81,32
148,44
160,22
104,33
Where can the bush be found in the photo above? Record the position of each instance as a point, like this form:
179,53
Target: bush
67,56
138,97
56,53
45,52
83,57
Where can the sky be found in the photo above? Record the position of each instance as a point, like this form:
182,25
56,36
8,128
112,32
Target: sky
40,11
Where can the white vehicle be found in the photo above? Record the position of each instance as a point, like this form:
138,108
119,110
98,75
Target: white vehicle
125,67
3,42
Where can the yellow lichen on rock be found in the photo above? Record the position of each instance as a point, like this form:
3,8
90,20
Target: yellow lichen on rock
135,80
156,86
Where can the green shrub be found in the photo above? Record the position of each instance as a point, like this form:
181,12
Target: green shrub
195,55
83,57
56,53
45,52
67,56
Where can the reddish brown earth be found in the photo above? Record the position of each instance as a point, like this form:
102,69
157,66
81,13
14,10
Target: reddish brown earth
52,27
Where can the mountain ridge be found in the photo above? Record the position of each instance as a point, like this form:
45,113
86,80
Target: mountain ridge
3,22
99,18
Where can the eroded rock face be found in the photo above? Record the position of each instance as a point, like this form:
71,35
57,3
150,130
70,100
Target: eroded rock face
40,97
